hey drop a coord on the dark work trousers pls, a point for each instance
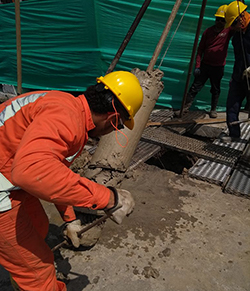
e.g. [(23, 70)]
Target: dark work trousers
[(215, 75), (236, 94)]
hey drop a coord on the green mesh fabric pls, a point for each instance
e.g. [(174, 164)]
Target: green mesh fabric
[(67, 44)]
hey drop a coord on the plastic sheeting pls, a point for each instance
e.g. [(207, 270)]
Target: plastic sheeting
[(67, 44)]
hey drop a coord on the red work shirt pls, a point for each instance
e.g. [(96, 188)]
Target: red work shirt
[(41, 134), (212, 49)]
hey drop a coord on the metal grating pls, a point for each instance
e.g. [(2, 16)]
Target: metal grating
[(164, 115), (245, 135), (210, 171), (161, 115), (218, 173), (143, 152), (189, 116), (239, 182), (91, 149), (245, 158), (164, 137)]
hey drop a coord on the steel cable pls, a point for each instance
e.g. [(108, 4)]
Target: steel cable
[(174, 35)]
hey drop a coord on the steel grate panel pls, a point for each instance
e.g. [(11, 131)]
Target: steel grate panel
[(169, 139), (189, 116), (239, 182), (164, 115), (161, 115), (210, 171), (245, 135), (245, 158), (217, 173), (91, 149), (143, 152)]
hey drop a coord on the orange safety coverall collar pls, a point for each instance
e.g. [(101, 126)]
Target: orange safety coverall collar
[(42, 133)]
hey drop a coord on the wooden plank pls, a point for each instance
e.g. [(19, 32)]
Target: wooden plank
[(180, 121)]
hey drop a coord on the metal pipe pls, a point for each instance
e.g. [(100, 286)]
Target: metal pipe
[(86, 228), (239, 121), (18, 47), (204, 2), (128, 36), (164, 35)]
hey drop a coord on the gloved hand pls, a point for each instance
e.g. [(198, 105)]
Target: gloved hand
[(70, 231), (246, 73), (197, 72), (88, 238), (124, 205)]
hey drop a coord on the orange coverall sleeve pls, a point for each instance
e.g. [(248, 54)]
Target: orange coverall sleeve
[(39, 166), (67, 212)]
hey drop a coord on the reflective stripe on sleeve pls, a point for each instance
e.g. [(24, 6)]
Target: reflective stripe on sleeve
[(17, 105)]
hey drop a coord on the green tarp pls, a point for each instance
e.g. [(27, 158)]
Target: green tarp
[(67, 44)]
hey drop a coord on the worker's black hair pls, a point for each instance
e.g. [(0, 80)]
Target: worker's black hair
[(100, 100)]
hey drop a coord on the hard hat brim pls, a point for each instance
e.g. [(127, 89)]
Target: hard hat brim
[(217, 15), (129, 123), (241, 8)]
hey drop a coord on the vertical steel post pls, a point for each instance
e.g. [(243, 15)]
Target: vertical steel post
[(18, 46), (204, 2), (164, 35), (128, 36)]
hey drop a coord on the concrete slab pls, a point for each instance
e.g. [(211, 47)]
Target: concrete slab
[(184, 235)]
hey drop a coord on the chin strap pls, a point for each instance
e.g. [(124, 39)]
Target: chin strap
[(116, 125)]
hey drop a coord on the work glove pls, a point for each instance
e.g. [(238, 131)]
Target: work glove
[(88, 238), (246, 73), (197, 72), (124, 205)]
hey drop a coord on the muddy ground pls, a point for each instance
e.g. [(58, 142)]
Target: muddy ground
[(184, 235)]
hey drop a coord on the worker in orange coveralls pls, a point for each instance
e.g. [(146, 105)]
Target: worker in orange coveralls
[(41, 134)]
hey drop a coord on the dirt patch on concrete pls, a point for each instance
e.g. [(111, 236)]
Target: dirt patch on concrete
[(159, 208)]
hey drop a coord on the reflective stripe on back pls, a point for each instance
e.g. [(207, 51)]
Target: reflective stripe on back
[(5, 187), (9, 111), (17, 105)]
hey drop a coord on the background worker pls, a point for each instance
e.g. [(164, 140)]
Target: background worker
[(238, 19), (41, 134), (210, 61)]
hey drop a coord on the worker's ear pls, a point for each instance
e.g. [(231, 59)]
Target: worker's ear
[(112, 116)]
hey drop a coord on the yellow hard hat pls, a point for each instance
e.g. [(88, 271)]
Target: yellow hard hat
[(128, 91), (234, 9), (221, 11)]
